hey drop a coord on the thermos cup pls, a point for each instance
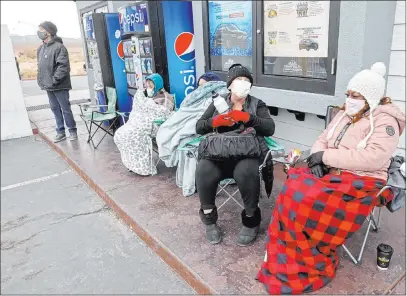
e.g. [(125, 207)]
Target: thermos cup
[(384, 253)]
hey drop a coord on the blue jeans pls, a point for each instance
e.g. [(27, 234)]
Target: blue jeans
[(61, 107)]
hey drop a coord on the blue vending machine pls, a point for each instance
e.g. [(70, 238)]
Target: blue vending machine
[(107, 58), (157, 40)]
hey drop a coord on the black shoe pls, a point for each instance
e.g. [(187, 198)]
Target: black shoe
[(212, 231), (250, 229), (213, 235), (247, 235)]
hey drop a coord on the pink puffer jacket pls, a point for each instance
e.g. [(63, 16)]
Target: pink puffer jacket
[(372, 161)]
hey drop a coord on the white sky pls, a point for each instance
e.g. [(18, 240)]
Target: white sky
[(23, 17)]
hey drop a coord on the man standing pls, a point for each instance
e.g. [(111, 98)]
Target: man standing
[(53, 76)]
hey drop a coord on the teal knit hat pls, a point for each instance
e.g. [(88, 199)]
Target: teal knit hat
[(158, 82)]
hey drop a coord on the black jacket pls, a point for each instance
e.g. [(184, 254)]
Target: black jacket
[(261, 122), (53, 66)]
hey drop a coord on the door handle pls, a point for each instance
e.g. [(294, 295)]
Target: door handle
[(333, 66)]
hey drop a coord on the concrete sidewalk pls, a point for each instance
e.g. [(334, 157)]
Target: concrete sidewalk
[(59, 237), (168, 222)]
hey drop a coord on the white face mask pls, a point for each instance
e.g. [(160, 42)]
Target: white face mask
[(240, 88), (150, 92), (353, 106)]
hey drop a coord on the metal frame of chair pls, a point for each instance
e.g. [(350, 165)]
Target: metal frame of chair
[(97, 117), (191, 149)]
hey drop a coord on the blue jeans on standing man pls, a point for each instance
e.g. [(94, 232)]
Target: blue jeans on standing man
[(61, 107)]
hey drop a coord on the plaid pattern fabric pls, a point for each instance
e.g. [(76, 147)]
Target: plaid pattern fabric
[(311, 219)]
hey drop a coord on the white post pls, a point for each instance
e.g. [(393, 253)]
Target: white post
[(14, 116)]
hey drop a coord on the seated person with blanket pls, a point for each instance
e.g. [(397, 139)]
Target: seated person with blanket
[(179, 129), (247, 114), (321, 206), (134, 138)]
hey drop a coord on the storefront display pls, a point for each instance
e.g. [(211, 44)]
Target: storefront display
[(296, 38), (230, 34)]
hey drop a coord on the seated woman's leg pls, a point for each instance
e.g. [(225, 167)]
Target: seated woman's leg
[(246, 175), (208, 175), (312, 218)]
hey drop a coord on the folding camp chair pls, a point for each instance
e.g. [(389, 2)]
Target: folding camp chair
[(372, 221), (191, 149), (97, 117)]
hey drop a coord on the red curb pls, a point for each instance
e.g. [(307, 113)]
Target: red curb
[(186, 273)]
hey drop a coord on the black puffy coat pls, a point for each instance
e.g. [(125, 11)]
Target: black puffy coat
[(53, 66)]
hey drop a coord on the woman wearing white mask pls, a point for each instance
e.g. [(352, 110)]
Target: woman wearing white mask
[(320, 207), (245, 111), (134, 138)]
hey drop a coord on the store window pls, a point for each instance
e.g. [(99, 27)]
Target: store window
[(230, 34), (286, 44), (98, 8), (296, 38)]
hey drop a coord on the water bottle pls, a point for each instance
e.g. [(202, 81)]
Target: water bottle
[(220, 104)]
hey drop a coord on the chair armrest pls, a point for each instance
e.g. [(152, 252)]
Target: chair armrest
[(125, 114), (193, 144), (158, 121), (103, 113)]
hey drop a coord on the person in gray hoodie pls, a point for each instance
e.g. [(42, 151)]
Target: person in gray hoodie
[(53, 76)]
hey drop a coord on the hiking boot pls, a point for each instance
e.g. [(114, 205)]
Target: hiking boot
[(59, 138), (73, 137), (250, 228), (213, 235)]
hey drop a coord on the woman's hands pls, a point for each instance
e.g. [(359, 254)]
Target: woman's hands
[(318, 170), (316, 164), (238, 116), (222, 120), (315, 159), (230, 118)]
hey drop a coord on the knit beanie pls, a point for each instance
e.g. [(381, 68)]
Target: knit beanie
[(237, 70), (370, 83), (158, 82), (210, 76), (50, 28)]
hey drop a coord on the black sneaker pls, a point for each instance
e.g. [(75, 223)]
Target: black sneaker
[(59, 138)]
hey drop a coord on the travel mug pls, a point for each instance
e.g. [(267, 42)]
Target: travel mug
[(384, 253)]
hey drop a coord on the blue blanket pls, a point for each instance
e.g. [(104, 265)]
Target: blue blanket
[(180, 129)]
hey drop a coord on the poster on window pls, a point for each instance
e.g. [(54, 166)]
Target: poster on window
[(296, 28), (230, 33)]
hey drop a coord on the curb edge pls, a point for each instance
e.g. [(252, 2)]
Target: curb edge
[(176, 264)]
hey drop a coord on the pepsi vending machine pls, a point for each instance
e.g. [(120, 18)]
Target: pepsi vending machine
[(143, 43), (107, 57), (157, 40)]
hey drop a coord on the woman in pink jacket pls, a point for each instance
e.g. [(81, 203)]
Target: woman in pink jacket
[(321, 206)]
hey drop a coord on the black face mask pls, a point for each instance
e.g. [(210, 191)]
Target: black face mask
[(42, 35)]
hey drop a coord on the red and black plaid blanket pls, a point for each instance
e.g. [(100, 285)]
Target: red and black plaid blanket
[(311, 219)]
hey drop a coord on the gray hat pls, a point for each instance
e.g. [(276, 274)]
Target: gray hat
[(50, 28)]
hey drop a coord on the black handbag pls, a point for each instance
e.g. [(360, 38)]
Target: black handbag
[(233, 145)]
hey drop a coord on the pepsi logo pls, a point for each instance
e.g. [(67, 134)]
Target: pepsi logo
[(120, 50), (184, 47)]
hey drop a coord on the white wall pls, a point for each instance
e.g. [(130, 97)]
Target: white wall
[(396, 82), (14, 117)]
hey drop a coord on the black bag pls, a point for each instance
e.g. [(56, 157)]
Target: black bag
[(234, 145)]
